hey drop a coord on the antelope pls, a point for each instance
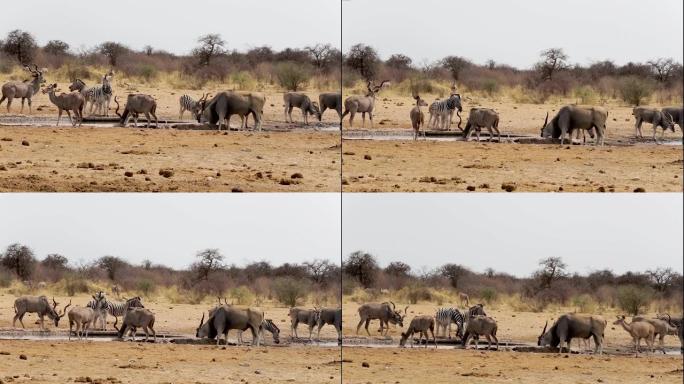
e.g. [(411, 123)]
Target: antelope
[(363, 104), (638, 330), (421, 324), (73, 101), (23, 89), (38, 305), (417, 116)]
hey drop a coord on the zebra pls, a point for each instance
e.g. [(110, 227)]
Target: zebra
[(445, 316), (99, 305), (187, 103), (116, 309), (444, 110), (99, 95), (266, 325)]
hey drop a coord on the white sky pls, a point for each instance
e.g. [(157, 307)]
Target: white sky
[(512, 232), (170, 228), (514, 32), (174, 25)]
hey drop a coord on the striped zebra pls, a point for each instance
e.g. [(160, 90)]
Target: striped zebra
[(187, 103), (266, 325), (445, 316), (443, 111), (98, 95), (116, 309)]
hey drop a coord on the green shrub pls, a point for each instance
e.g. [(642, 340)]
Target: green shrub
[(490, 86), (634, 90), (243, 80), (148, 72), (488, 295), (633, 299), (292, 76), (585, 95), (74, 284), (242, 295), (289, 291), (5, 279), (584, 303), (146, 287)]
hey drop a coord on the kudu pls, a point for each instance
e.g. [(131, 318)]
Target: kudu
[(135, 105), (299, 100), (419, 324), (638, 330), (68, 102), (40, 306), (23, 89), (330, 100), (417, 116), (362, 104), (573, 326), (382, 312)]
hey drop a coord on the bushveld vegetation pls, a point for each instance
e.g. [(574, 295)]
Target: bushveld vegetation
[(552, 77), (208, 277), (659, 289), (210, 63)]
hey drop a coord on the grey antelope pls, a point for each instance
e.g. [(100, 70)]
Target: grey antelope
[(187, 103), (23, 89), (382, 312), (362, 104), (68, 102), (477, 326), (574, 326), (419, 324), (417, 116), (40, 306), (571, 117), (303, 102), (654, 116)]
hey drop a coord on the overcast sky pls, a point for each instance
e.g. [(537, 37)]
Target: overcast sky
[(511, 233), (170, 228), (174, 25), (514, 32)]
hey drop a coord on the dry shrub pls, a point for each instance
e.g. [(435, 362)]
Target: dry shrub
[(5, 278), (415, 292), (241, 295), (290, 291), (633, 299), (488, 295), (183, 296), (584, 303), (422, 86), (585, 95)]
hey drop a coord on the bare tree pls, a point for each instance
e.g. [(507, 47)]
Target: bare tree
[(211, 45), (21, 45), (363, 59), (112, 51), (454, 273), (148, 50), (455, 65), (320, 270), (552, 269), (663, 69), (112, 265), (662, 278), (56, 47), (361, 266), (323, 55), (553, 60), (20, 259), (210, 260)]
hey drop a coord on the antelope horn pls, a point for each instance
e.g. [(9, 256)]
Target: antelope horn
[(202, 321), (65, 308), (546, 120), (406, 310), (117, 113), (393, 306), (383, 83), (54, 303), (545, 325)]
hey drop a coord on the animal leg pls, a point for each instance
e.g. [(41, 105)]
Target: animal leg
[(637, 128), (363, 119), (367, 323), (359, 326), (180, 116), (70, 119)]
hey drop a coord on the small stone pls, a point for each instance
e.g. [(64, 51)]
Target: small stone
[(365, 365), (25, 143), (367, 157), (23, 357), (128, 174), (297, 175)]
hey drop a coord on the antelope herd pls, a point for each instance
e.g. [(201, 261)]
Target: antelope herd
[(218, 110), (473, 322), (221, 318)]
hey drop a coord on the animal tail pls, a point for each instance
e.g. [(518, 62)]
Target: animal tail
[(467, 128)]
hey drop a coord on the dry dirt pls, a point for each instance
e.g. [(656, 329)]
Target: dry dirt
[(417, 365), (67, 159), (623, 165), (114, 362)]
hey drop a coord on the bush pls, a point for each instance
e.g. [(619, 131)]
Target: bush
[(633, 299), (488, 295), (490, 86), (242, 295), (292, 76), (585, 94), (584, 303), (413, 293), (146, 287), (148, 72), (74, 284), (635, 91), (243, 80), (289, 291), (5, 278)]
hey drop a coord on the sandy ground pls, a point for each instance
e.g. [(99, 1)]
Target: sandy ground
[(70, 159), (417, 365), (98, 159), (117, 362), (408, 166), (449, 366)]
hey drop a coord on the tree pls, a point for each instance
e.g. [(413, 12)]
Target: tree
[(455, 65), (148, 50), (320, 270), (19, 259), (56, 47), (553, 60), (55, 261), (662, 278), (454, 273), (211, 45), (322, 55), (363, 59), (361, 266), (635, 90), (663, 69), (210, 260), (552, 269), (258, 269), (289, 291), (399, 61), (112, 265), (398, 269), (292, 76), (260, 55), (112, 51), (633, 299), (21, 45)]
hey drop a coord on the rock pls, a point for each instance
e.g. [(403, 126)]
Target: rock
[(236, 190), (297, 175), (470, 188), (166, 172), (508, 187), (639, 190), (365, 365), (367, 157), (128, 174), (23, 357), (25, 143)]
